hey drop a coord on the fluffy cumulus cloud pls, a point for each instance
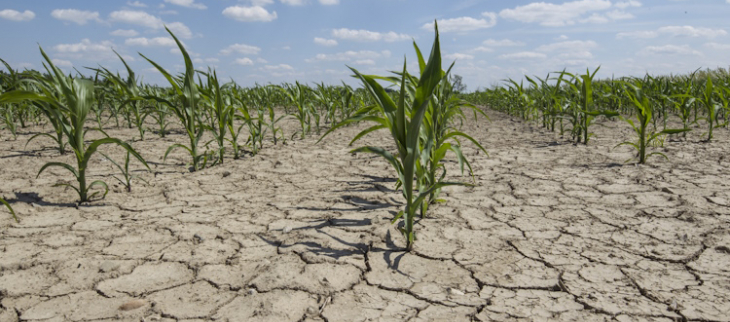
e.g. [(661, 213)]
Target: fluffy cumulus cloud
[(144, 19), (14, 15), (84, 46), (325, 42), (674, 31), (502, 43), (555, 15), (462, 24), (136, 4), (139, 18), (350, 55), (523, 55), (124, 33), (187, 4), (241, 49), (367, 35), (87, 50), (151, 42), (61, 62), (669, 50), (279, 67), (243, 61), (689, 31), (79, 17), (249, 14), (334, 2), (458, 56), (293, 2)]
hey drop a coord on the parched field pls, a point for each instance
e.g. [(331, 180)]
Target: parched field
[(301, 232)]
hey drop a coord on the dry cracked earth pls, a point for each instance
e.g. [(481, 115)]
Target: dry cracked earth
[(301, 232)]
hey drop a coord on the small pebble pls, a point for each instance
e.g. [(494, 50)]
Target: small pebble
[(252, 292), (455, 292), (287, 229), (133, 304)]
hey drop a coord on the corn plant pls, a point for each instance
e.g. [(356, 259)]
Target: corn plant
[(298, 95), (185, 91), (405, 123), (130, 93), (127, 176), (707, 99), (220, 112), (73, 99), (12, 212), (644, 112), (584, 111)]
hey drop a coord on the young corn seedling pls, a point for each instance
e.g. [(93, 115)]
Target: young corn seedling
[(12, 212), (73, 99), (708, 101), (298, 95), (127, 176), (585, 111), (186, 92), (219, 112), (644, 110), (404, 121)]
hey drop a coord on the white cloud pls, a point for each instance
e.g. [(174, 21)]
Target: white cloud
[(630, 3), (243, 61), (261, 60), (637, 34), (689, 31), (168, 12), (255, 13), (364, 62), (334, 2), (261, 3), (293, 2), (84, 46), (139, 18), (212, 60), (61, 62), (76, 16), (619, 15), (458, 56), (523, 55), (278, 67), (187, 4), (124, 33), (670, 50), (502, 43), (180, 30), (241, 49), (554, 15), (325, 42), (286, 48), (147, 42), (136, 4), (11, 14), (350, 55), (366, 35), (482, 49), (571, 45), (144, 19), (714, 45), (462, 24), (675, 31)]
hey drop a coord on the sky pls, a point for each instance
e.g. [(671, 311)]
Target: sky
[(274, 41)]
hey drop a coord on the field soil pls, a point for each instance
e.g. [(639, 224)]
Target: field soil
[(551, 231)]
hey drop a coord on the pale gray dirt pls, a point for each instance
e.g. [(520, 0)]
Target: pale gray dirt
[(301, 232)]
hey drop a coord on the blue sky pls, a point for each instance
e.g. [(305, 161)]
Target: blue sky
[(313, 40)]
